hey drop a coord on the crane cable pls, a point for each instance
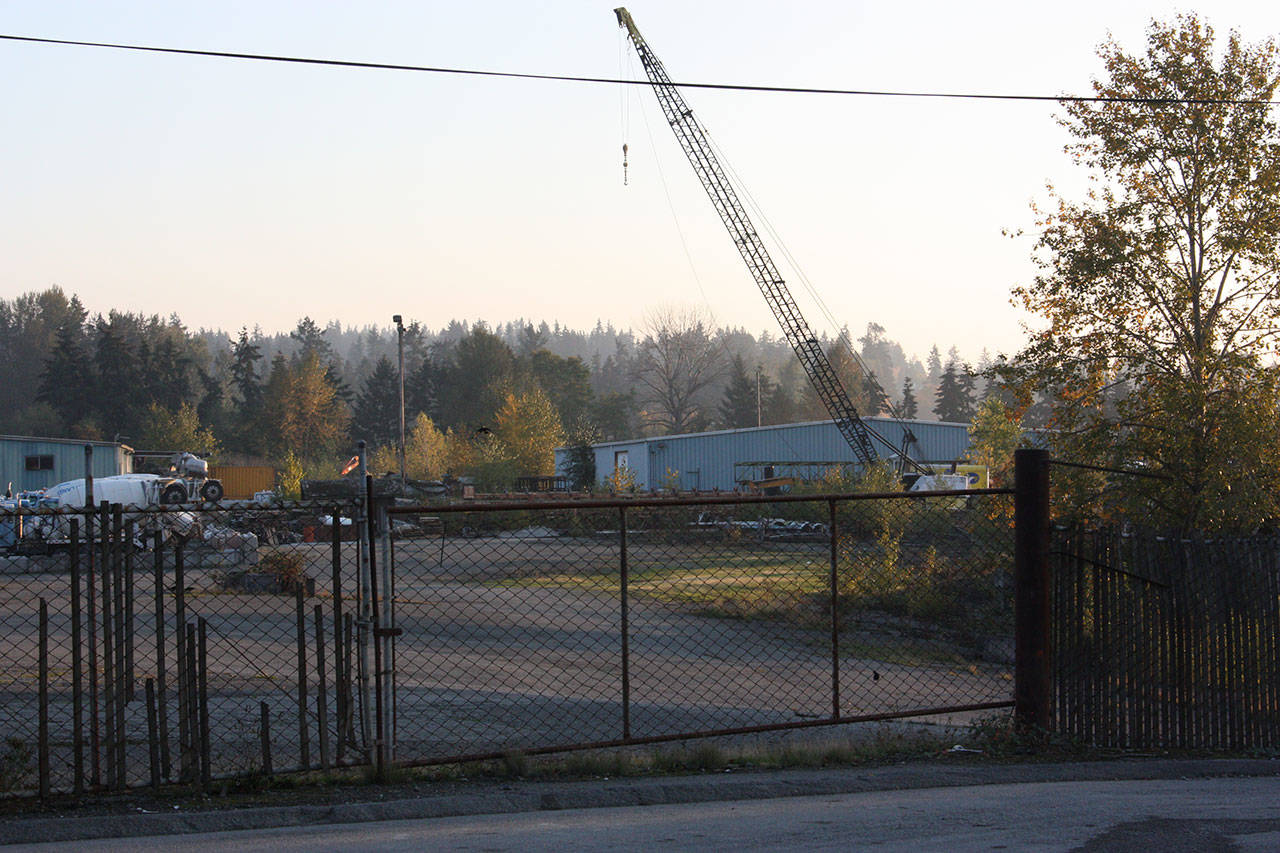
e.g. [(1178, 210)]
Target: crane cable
[(624, 102), (840, 336)]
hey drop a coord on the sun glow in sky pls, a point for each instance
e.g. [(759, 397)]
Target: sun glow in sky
[(242, 193)]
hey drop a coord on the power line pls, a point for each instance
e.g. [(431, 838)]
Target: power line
[(738, 87)]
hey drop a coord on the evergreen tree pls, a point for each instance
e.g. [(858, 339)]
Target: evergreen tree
[(245, 356), (171, 369), (955, 401), (311, 338), (580, 459), (739, 407), (935, 365), (68, 376), (565, 381), (477, 381), (115, 389), (420, 389), (967, 380), (946, 401), (376, 417), (615, 415), (910, 406), (877, 399), (302, 413)]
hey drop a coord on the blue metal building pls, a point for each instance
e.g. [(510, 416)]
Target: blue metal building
[(28, 463), (725, 458)]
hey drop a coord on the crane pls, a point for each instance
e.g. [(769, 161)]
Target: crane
[(693, 139)]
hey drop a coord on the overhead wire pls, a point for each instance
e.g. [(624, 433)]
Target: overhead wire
[(570, 78)]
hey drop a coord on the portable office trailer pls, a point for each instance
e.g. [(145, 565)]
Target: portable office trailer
[(720, 459), (28, 463)]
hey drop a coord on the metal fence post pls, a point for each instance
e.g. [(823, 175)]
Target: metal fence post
[(364, 622), (90, 541), (624, 606), (1032, 686), (386, 630), (834, 580), (77, 663), (338, 676), (379, 738)]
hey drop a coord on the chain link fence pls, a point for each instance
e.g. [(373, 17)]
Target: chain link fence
[(188, 645), (534, 628), (146, 642)]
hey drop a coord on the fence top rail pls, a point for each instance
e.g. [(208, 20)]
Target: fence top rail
[(710, 500)]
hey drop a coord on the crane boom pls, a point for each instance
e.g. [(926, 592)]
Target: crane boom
[(799, 335)]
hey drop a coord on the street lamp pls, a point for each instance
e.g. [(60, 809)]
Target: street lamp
[(400, 343)]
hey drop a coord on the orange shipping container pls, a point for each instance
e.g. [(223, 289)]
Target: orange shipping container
[(240, 482)]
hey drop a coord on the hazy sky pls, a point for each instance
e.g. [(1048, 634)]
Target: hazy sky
[(241, 193)]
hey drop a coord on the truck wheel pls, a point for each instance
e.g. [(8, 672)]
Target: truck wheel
[(174, 493), (211, 491)]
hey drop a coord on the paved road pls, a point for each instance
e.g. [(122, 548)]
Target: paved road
[(1223, 814)]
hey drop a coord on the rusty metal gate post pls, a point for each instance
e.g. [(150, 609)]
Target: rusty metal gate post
[(624, 612), (1032, 687), (386, 630), (379, 736), (834, 582), (364, 618)]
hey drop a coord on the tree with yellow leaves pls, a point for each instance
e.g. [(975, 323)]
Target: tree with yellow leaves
[(530, 430)]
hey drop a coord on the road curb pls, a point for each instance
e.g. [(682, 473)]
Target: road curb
[(530, 796)]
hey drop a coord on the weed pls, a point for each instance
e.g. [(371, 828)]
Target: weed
[(16, 763), (704, 756), (515, 763), (590, 764), (288, 567)]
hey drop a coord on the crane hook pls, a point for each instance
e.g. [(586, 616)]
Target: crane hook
[(624, 164)]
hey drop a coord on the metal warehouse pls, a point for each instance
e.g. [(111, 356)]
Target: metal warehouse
[(726, 458), (28, 463)]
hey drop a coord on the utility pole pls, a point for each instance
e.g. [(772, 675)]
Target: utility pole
[(399, 321)]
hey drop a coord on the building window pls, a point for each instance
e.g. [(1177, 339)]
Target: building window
[(620, 459), (39, 463)]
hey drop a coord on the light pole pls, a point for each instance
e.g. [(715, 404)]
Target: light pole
[(398, 320)]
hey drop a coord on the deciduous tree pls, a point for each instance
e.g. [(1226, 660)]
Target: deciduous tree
[(679, 361), (1163, 281)]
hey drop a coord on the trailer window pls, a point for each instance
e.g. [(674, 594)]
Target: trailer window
[(39, 463)]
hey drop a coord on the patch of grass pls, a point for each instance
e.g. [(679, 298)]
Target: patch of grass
[(515, 763), (700, 757), (590, 764), (888, 743), (1000, 737)]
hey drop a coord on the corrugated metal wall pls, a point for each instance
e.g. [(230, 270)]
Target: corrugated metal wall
[(240, 482), (68, 461), (707, 460)]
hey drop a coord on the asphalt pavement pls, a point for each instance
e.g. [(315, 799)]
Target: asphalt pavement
[(1214, 804)]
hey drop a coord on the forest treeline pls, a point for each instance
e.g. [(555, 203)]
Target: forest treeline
[(490, 402)]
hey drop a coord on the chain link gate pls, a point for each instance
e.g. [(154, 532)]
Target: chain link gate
[(552, 626)]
